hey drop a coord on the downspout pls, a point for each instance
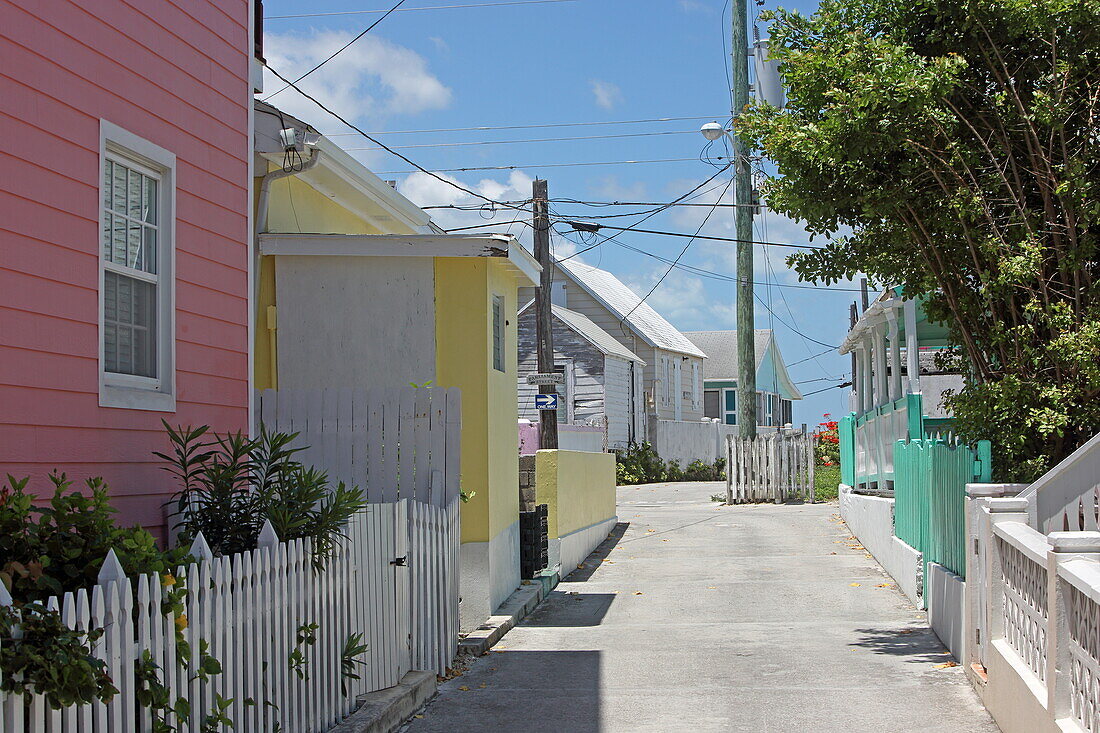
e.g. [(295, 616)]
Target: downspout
[(262, 204)]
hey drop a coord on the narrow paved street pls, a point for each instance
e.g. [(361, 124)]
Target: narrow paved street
[(700, 617)]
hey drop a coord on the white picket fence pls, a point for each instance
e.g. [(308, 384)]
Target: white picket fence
[(393, 444), (394, 581), (773, 467)]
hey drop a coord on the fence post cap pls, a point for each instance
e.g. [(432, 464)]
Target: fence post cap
[(268, 537), (200, 548), (1074, 541), (111, 570), (1008, 505)]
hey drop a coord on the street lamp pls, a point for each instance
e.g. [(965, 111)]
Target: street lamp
[(712, 131)]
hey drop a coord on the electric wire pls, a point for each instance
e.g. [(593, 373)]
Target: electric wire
[(699, 236), (678, 257), (578, 164), (407, 10), (470, 143), (376, 142), (338, 51), (543, 125)]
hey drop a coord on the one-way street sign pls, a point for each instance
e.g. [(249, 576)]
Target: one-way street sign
[(546, 402)]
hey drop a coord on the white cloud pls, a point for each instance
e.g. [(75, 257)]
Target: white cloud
[(610, 188), (371, 80), (691, 6), (607, 94), (683, 299)]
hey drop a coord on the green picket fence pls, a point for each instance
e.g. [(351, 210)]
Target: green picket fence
[(930, 478)]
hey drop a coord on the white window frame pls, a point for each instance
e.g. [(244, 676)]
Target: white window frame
[(696, 387), (130, 391), (500, 332)]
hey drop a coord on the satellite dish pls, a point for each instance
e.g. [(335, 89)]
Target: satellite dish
[(769, 85)]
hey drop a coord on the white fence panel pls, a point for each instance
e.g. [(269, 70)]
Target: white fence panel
[(389, 443), (774, 467)]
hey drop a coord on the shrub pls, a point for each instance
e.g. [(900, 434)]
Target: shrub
[(827, 442), (640, 464), (230, 485), (59, 546)]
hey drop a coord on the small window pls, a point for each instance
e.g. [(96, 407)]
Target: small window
[(137, 325), (712, 403), (498, 333)]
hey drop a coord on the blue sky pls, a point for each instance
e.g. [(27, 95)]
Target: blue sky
[(565, 62)]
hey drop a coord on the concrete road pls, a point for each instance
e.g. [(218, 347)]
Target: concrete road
[(700, 617)]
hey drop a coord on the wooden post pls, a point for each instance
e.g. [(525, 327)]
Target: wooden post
[(548, 419), (746, 321)]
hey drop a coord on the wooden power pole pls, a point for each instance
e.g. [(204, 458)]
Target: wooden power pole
[(746, 320), (548, 419)]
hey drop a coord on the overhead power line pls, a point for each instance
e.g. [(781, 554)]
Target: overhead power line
[(425, 7), (536, 165), (468, 143), (543, 125), (411, 162), (588, 227), (338, 51)]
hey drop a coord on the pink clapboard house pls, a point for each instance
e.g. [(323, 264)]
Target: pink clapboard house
[(124, 236)]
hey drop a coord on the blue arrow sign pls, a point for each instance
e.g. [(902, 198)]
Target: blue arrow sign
[(546, 402)]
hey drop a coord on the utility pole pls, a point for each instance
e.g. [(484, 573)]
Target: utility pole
[(746, 321), (544, 335)]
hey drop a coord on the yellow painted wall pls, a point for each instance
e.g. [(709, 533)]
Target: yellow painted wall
[(295, 207), (464, 288), (577, 487)]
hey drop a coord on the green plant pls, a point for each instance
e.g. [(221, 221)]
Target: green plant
[(827, 442), (349, 660), (59, 546), (699, 470), (229, 485), (639, 464), (306, 635), (40, 654), (956, 141)]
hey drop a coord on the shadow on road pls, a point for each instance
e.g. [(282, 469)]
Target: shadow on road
[(584, 572), (919, 643)]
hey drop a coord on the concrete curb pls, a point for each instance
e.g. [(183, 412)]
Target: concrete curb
[(387, 710), (512, 611)]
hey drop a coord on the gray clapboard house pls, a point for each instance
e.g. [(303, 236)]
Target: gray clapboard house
[(603, 378), (670, 384)]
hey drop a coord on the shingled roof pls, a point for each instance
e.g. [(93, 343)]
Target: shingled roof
[(721, 348)]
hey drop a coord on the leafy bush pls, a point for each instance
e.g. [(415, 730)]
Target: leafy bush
[(52, 548), (640, 464), (40, 654), (231, 484)]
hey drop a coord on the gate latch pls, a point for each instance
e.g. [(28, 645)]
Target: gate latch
[(402, 561)]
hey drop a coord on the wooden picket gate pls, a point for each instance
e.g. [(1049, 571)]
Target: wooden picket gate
[(772, 467), (393, 444)]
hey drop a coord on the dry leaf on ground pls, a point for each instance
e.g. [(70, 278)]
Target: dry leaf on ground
[(945, 665)]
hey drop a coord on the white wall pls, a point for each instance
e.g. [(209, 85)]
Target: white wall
[(871, 519), (945, 592), (334, 312), (683, 441), (617, 400)]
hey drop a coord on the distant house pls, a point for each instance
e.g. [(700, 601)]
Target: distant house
[(671, 385), (603, 378), (774, 389), (124, 293)]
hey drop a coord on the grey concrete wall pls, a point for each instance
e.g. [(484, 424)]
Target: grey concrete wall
[(871, 519), (944, 594)]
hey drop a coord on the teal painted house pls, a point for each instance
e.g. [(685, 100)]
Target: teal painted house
[(775, 392)]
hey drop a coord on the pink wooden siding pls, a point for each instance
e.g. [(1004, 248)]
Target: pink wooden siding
[(174, 72)]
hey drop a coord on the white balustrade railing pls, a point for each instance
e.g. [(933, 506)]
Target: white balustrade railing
[(1067, 497), (393, 586), (1023, 578), (1080, 581)]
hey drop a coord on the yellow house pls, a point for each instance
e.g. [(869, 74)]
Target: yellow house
[(356, 287)]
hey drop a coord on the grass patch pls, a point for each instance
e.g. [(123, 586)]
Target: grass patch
[(826, 482)]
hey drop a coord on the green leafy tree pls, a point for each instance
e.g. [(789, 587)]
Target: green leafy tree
[(956, 140)]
